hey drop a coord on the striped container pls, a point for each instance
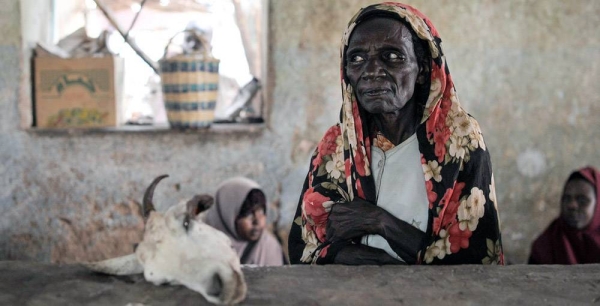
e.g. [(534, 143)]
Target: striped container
[(190, 84)]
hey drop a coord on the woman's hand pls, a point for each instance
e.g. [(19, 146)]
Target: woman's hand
[(354, 219), (359, 218)]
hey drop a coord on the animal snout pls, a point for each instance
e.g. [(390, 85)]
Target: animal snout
[(216, 286)]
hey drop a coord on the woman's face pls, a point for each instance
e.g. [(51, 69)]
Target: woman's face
[(578, 203), (381, 65), (251, 225)]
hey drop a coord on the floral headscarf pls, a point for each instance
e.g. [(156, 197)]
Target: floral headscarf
[(463, 225)]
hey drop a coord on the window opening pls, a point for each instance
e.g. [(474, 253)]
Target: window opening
[(235, 30)]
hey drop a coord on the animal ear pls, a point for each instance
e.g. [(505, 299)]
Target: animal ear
[(199, 203), (124, 265)]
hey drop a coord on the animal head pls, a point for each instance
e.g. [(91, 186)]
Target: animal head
[(179, 248)]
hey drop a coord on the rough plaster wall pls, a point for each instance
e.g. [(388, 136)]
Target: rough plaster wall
[(524, 69)]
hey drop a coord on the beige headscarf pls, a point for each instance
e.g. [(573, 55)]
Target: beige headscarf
[(229, 199)]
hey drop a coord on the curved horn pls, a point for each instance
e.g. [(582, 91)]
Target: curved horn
[(147, 205)]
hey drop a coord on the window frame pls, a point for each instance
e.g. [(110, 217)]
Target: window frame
[(35, 21)]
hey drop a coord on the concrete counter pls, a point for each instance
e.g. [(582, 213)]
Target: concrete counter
[(29, 283)]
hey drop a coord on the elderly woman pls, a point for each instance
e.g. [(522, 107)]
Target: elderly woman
[(405, 177), (240, 212), (573, 237)]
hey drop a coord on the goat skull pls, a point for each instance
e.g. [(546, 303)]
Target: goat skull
[(178, 248)]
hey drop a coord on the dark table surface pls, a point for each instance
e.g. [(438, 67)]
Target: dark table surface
[(30, 283)]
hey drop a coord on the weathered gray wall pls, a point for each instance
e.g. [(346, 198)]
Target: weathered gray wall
[(524, 69)]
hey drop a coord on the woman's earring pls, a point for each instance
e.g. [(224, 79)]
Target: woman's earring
[(421, 77)]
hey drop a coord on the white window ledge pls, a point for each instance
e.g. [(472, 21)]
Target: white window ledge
[(216, 128)]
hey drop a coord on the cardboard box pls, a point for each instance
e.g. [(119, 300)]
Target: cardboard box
[(78, 92)]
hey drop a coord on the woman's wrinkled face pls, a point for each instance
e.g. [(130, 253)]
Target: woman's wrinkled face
[(578, 203), (381, 65), (251, 225)]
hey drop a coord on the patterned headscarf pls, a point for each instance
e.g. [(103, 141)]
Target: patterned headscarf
[(463, 221), (563, 244)]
